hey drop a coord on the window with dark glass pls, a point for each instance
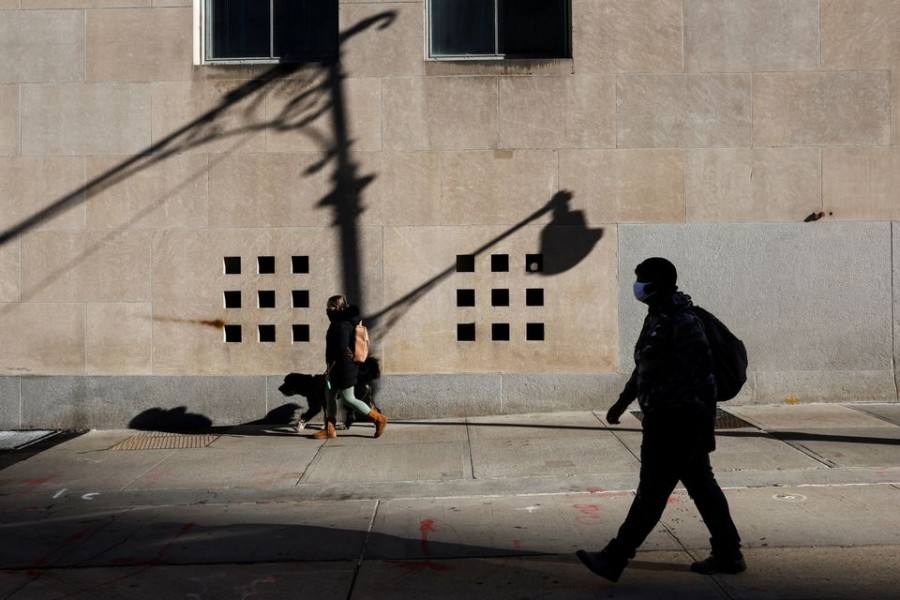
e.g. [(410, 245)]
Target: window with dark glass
[(271, 30), (499, 28)]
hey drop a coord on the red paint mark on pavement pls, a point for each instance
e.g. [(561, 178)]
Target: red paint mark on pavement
[(594, 490), (425, 527), (589, 514), (37, 481)]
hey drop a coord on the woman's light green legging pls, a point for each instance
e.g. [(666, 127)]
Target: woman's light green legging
[(348, 398)]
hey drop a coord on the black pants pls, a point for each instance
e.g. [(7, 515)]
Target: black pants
[(666, 458)]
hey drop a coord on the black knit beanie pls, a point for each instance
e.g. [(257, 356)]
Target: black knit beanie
[(660, 272)]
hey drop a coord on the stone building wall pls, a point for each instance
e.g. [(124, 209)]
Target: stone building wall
[(487, 215)]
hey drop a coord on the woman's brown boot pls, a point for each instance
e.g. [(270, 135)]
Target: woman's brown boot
[(380, 421), (326, 432)]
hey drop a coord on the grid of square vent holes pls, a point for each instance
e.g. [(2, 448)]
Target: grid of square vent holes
[(500, 297), (234, 299)]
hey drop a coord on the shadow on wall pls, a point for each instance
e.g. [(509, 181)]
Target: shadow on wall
[(564, 242), (322, 93)]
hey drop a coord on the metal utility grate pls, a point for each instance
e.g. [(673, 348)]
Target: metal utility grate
[(158, 440), (724, 420)]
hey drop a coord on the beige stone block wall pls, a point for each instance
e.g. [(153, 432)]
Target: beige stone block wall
[(86, 3), (558, 112), (139, 45), (9, 272), (85, 119), (857, 183), (9, 4), (823, 108), (199, 116), (394, 50), (406, 189), (625, 186), (860, 34), (627, 36), (188, 298), (151, 194), (31, 184), (684, 110), (9, 119), (266, 190), (42, 339), (762, 35), (895, 105), (86, 266), (440, 113), (308, 125), (41, 46), (734, 185), (495, 187), (579, 313), (118, 338)]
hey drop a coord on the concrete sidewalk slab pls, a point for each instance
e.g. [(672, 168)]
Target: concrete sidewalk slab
[(530, 426), (804, 417), (656, 575), (380, 461), (324, 581), (848, 447), (232, 461), (804, 573), (186, 534), (401, 432), (595, 453), (520, 525), (888, 412), (797, 516)]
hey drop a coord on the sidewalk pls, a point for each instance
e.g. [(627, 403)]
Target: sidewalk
[(480, 507)]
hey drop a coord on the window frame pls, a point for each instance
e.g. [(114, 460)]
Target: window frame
[(496, 56), (204, 40)]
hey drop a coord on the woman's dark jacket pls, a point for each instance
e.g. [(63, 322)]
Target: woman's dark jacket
[(673, 377), (339, 342)]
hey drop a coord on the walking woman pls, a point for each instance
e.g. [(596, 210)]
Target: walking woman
[(341, 370)]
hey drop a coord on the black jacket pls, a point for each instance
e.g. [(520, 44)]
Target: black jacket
[(339, 342), (673, 377)]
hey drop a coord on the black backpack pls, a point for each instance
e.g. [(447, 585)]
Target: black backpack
[(728, 353)]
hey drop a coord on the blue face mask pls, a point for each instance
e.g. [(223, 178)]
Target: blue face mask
[(641, 291)]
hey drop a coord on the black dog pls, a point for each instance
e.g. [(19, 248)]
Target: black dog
[(312, 387)]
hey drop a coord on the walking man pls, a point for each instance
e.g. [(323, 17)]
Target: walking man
[(674, 385)]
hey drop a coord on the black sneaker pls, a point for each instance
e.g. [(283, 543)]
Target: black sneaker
[(714, 565), (601, 564)]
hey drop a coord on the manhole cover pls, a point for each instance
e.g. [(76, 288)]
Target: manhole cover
[(158, 440), (724, 420)]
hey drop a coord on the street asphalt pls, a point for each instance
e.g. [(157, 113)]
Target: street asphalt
[(484, 507)]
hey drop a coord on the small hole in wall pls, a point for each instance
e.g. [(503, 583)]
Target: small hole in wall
[(465, 297), (266, 264), (534, 297), (232, 265), (500, 297), (299, 264), (500, 332), (266, 333), (499, 263), (534, 332), (300, 333), (266, 298), (465, 263), (465, 332), (233, 299), (300, 298), (233, 334), (534, 263)]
